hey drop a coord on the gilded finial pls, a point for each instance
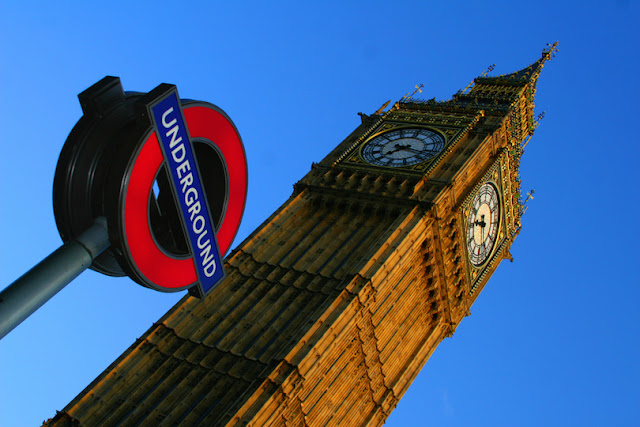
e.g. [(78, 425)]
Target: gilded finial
[(550, 51), (396, 105), (529, 197), (536, 123), (538, 120), (381, 109), (409, 96), (488, 70)]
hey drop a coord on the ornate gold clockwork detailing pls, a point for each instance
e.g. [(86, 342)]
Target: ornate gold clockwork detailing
[(482, 224), (402, 147)]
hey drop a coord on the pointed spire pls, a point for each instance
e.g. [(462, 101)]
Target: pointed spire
[(526, 75), (511, 94)]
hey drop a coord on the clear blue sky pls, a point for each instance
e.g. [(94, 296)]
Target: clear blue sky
[(553, 338)]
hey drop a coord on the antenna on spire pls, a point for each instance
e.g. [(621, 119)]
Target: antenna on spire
[(488, 70)]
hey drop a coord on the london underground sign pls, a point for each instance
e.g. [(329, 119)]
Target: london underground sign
[(171, 134), (174, 183), (168, 145), (170, 177), (147, 185)]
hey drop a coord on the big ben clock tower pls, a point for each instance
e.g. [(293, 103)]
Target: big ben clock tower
[(332, 306)]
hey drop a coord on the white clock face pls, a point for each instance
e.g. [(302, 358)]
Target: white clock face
[(482, 224), (403, 147)]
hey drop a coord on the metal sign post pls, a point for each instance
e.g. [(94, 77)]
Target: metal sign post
[(37, 286)]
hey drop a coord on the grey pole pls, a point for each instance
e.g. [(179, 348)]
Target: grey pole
[(28, 293)]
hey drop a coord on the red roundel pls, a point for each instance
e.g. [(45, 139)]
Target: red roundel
[(155, 267)]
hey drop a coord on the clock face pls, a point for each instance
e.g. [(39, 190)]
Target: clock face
[(403, 147), (482, 224)]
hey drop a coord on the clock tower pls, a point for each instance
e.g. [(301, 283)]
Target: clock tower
[(332, 306)]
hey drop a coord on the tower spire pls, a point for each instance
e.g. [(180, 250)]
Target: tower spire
[(524, 76)]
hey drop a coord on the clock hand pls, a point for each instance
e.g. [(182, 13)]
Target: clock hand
[(391, 151), (481, 224), (409, 148), (397, 147)]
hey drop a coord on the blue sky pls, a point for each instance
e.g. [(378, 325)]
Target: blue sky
[(552, 339)]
